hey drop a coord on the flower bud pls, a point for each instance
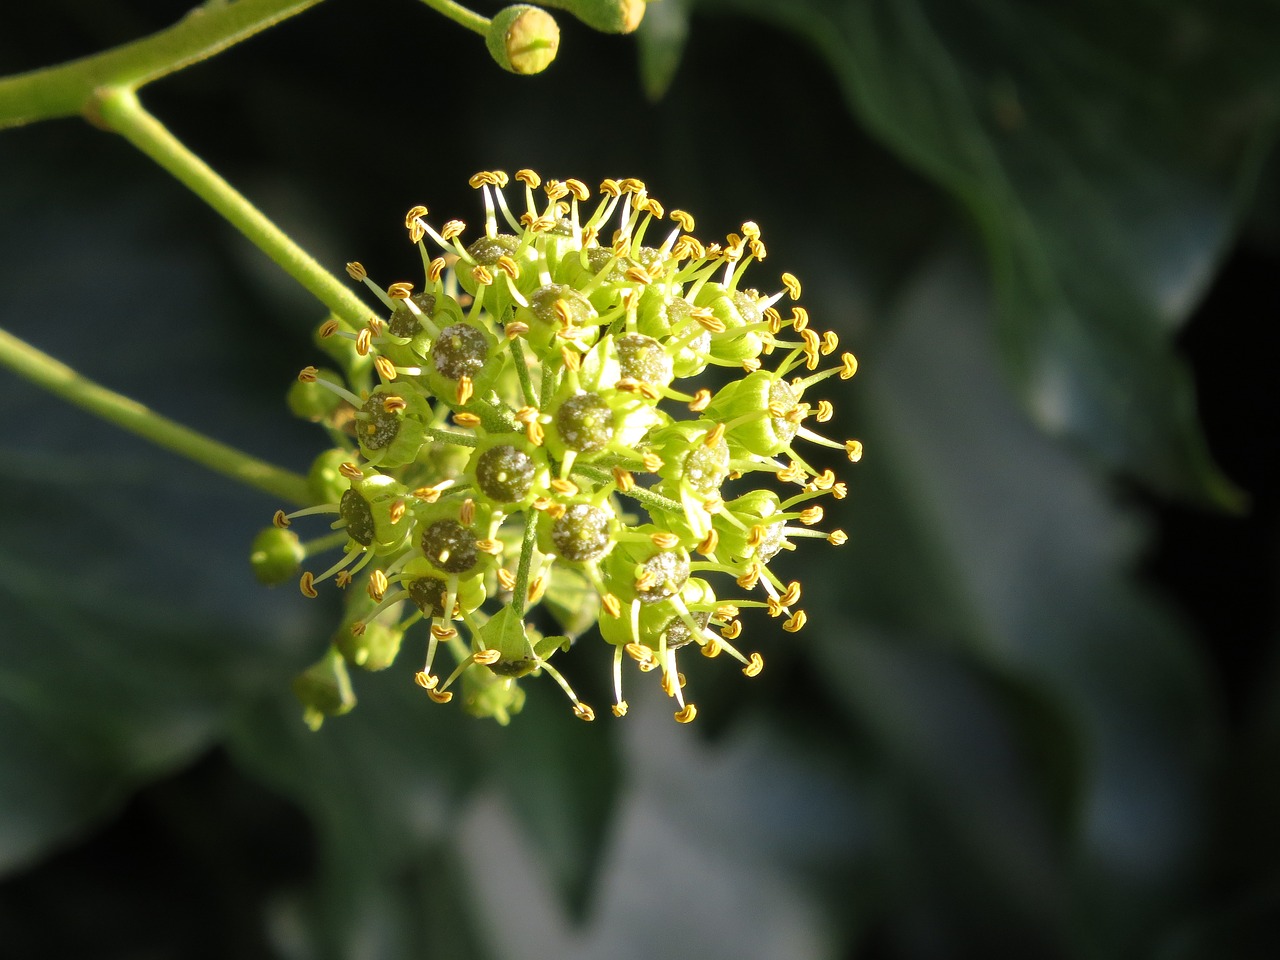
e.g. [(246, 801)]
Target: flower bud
[(276, 556), (523, 39), (324, 689), (607, 16)]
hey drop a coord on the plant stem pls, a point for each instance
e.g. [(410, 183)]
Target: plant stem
[(65, 90), (460, 15), (60, 380), (118, 109), (520, 595)]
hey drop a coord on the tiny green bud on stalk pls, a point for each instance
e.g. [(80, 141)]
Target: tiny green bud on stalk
[(523, 39)]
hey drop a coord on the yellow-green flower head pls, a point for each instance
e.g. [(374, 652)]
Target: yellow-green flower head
[(524, 439)]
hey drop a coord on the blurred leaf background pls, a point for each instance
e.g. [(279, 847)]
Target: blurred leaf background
[(1036, 710)]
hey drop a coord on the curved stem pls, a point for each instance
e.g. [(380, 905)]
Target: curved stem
[(460, 15), (60, 380), (64, 90), (118, 109)]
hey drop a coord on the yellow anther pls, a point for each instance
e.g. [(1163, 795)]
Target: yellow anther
[(611, 605), (491, 547), (426, 680), (356, 270), (848, 365), (620, 708), (415, 212), (306, 583), (749, 579), (713, 504), (465, 389), (482, 275), (396, 512), (652, 462), (795, 622), (443, 633), (811, 515), (563, 486), (840, 490), (308, 374), (440, 696), (711, 648), (343, 579), (467, 512), (624, 479), (487, 657), (610, 187), (280, 519), (639, 653), (515, 329), (358, 627), (377, 587), (509, 267), (364, 342), (825, 411), (506, 578), (837, 537), (757, 249), (328, 329), (751, 364), (701, 400), (792, 284), (854, 449), (774, 319), (714, 435), (646, 581), (664, 540), (829, 342), (753, 668), (583, 712), (638, 274), (775, 607), (436, 269), (799, 318), (572, 359), (416, 231), (452, 229), (687, 714), (579, 189), (350, 470), (427, 494), (393, 404), (709, 544), (538, 586), (683, 219), (707, 319), (555, 189), (467, 420), (529, 177), (731, 630), (400, 290), (386, 369), (534, 432)]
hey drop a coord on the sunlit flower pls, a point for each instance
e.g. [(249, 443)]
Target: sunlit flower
[(527, 430)]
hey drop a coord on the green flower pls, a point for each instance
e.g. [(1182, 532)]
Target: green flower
[(528, 426)]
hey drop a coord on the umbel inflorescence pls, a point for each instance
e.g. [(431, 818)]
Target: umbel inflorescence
[(528, 429)]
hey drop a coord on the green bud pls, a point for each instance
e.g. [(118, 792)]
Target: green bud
[(392, 425), (523, 39), (607, 16), (509, 470), (325, 480), (311, 401), (324, 689), (276, 556)]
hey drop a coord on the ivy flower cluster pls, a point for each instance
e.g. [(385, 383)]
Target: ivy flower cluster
[(528, 430)]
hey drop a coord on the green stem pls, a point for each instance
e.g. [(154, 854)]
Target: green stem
[(66, 89), (520, 595), (60, 380), (118, 109), (460, 15), (654, 501)]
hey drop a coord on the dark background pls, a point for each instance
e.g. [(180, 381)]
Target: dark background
[(1035, 710)]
